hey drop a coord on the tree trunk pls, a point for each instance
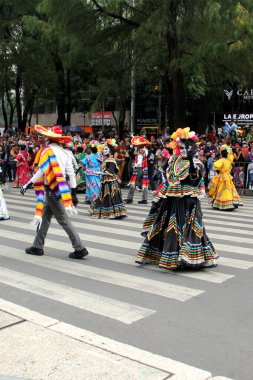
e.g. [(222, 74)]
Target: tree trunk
[(18, 85), (122, 116), (177, 107), (31, 113), (164, 104), (27, 110), (178, 110), (61, 91), (12, 107), (69, 98), (4, 115)]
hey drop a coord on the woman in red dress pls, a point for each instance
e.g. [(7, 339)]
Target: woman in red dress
[(23, 170)]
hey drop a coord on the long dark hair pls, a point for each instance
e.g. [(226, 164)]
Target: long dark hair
[(224, 153), (93, 149)]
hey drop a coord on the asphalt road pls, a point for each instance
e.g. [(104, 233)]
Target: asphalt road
[(200, 318)]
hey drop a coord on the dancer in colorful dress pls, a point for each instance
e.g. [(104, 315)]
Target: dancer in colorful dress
[(92, 163), (222, 192), (177, 237), (109, 203), (23, 169), (54, 196), (140, 172)]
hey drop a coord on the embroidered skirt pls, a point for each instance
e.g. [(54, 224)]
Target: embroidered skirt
[(109, 203), (177, 236)]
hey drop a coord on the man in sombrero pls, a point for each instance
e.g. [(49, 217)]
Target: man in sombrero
[(140, 172), (54, 196)]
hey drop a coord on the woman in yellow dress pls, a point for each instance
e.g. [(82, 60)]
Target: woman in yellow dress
[(222, 191)]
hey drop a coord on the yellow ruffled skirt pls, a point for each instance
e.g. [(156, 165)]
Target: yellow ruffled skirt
[(222, 192)]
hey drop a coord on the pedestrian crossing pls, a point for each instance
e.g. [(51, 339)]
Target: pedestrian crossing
[(108, 286), (124, 235)]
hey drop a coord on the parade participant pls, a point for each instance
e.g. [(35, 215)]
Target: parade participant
[(68, 147), (222, 192), (210, 162), (109, 203), (120, 157), (177, 237), (53, 194), (250, 175), (92, 162), (140, 170), (23, 170), (4, 215), (80, 174)]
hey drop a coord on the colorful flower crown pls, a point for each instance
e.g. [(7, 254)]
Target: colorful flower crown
[(94, 143), (112, 142), (225, 147), (179, 135)]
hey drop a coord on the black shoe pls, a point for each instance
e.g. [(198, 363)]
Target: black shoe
[(87, 202), (128, 200), (34, 251), (79, 254), (143, 202)]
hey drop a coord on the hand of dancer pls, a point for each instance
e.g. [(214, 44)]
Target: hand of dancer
[(25, 187)]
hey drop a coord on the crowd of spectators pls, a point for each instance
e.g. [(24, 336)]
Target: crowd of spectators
[(12, 146)]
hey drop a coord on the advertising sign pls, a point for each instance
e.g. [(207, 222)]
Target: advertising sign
[(238, 117), (97, 118)]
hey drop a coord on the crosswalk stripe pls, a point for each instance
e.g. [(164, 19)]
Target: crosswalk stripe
[(235, 249), (248, 201), (210, 227), (84, 236), (133, 245), (111, 229), (121, 311), (140, 214), (159, 288), (212, 276), (235, 263), (139, 221), (204, 275)]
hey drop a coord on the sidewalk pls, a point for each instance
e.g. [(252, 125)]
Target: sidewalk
[(36, 347)]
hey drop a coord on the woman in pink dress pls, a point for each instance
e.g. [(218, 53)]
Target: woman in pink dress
[(23, 170)]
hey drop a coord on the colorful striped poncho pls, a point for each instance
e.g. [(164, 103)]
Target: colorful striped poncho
[(46, 161), (145, 181)]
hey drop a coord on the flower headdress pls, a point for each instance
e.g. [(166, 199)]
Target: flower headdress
[(113, 143), (179, 135), (94, 143), (226, 147)]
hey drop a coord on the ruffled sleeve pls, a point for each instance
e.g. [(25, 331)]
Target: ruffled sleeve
[(218, 165)]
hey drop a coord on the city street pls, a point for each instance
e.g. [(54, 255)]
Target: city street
[(199, 318)]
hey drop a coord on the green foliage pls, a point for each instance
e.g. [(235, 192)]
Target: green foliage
[(60, 49)]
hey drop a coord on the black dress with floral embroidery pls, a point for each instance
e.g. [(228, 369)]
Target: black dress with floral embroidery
[(176, 235), (109, 203)]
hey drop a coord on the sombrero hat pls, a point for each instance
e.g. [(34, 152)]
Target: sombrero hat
[(53, 133), (139, 140)]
